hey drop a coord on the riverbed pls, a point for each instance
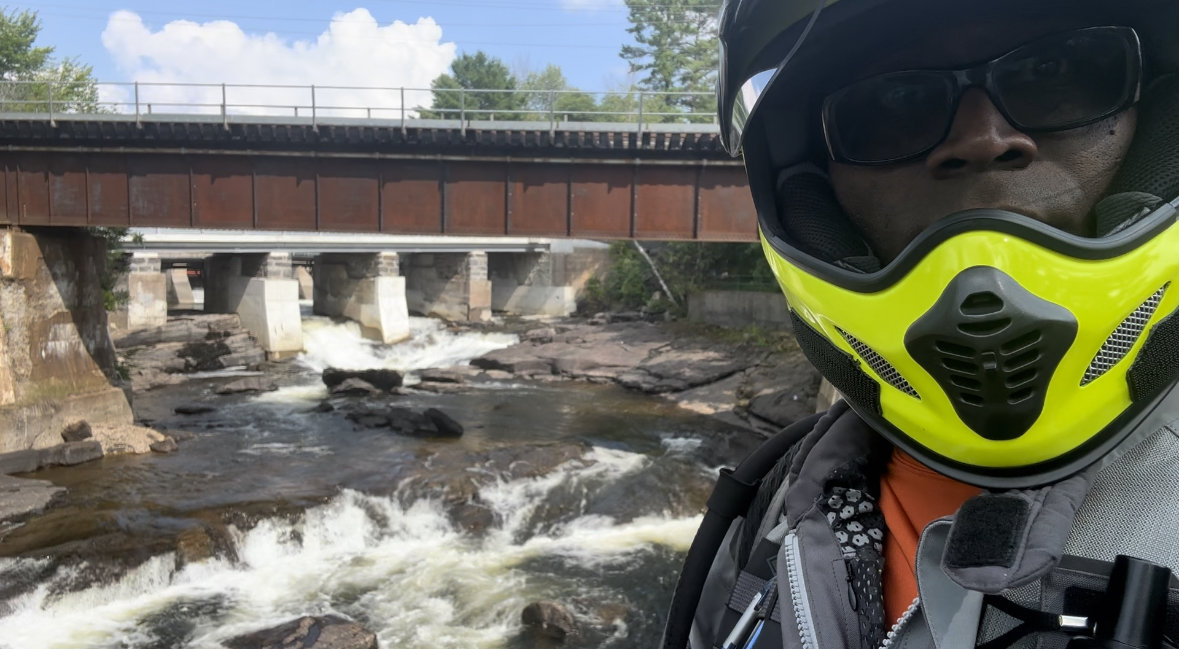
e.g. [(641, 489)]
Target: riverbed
[(585, 495)]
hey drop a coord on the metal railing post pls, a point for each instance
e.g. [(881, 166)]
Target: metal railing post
[(403, 111), (314, 113), (641, 111), (224, 114), (137, 123), (463, 111), (49, 86), (552, 114)]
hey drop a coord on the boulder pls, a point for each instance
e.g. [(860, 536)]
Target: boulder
[(70, 453), (143, 380), (327, 632), (354, 388), (324, 406), (166, 445), (193, 409), (235, 350), (77, 431), (539, 336), (180, 330), (369, 417), (407, 422), (548, 619), (447, 427), (122, 438), (440, 375), (382, 379), (19, 496), (250, 384)]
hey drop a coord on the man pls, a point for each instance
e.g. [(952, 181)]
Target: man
[(968, 205)]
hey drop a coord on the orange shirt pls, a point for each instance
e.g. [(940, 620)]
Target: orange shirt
[(911, 496)]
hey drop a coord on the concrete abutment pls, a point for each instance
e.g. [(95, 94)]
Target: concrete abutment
[(365, 287), (57, 362), (261, 290), (453, 286)]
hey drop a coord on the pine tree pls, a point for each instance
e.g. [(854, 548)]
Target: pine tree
[(677, 50)]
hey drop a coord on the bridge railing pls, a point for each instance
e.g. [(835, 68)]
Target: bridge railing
[(149, 100)]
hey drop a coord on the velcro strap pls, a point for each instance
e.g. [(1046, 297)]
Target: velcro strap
[(730, 497)]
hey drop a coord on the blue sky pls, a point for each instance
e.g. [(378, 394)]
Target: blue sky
[(283, 41)]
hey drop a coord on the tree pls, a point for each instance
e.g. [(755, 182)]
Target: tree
[(678, 50), (568, 103), (29, 75), (479, 87)]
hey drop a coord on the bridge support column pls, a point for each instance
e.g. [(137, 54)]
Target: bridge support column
[(453, 286), (179, 288), (529, 284), (57, 362), (261, 289), (146, 291), (366, 288)]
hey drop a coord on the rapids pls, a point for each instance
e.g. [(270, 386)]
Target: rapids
[(321, 518)]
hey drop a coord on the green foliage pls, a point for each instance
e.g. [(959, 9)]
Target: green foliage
[(30, 77), (676, 49), (686, 266), (117, 263), (472, 73), (550, 85)]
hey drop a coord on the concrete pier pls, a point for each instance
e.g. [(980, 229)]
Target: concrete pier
[(180, 294), (261, 289), (364, 287), (146, 291), (454, 286), (57, 362)]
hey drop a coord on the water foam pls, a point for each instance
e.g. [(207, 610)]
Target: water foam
[(406, 571), (339, 344)]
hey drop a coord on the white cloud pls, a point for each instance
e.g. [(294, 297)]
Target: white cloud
[(354, 51)]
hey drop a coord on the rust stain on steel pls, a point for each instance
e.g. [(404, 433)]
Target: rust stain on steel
[(222, 193), (475, 199), (600, 202), (726, 207), (666, 203), (67, 190), (411, 200), (285, 195), (539, 200), (107, 187), (33, 190), (348, 195), (158, 191), (5, 208)]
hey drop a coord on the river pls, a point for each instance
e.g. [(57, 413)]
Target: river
[(299, 513)]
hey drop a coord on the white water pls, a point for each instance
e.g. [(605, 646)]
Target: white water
[(415, 579)]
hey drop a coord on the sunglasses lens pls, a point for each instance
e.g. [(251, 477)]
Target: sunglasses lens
[(891, 116), (1066, 81)]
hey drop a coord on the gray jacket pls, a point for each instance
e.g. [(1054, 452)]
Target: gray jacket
[(821, 541)]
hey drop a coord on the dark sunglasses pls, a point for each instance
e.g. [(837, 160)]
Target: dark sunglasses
[(1054, 84)]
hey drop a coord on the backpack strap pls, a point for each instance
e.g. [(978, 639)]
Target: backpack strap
[(731, 497)]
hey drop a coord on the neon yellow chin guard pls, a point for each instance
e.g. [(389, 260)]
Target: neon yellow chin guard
[(998, 350)]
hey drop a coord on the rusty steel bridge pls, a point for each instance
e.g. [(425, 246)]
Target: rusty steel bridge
[(323, 168)]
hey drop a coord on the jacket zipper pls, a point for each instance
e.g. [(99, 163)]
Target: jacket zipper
[(798, 595), (895, 631)]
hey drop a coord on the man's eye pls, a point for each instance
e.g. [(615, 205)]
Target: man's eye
[(900, 98), (1044, 68)]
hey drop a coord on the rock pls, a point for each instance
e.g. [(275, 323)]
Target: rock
[(354, 388), (180, 330), (167, 445), (20, 496), (439, 375), (121, 438), (77, 431), (324, 406), (328, 632), (369, 417), (539, 336), (250, 384), (194, 546), (497, 375), (381, 379), (407, 422), (71, 453), (447, 427), (440, 388), (681, 369), (235, 350), (193, 409), (623, 316), (517, 360), (548, 619), (144, 380)]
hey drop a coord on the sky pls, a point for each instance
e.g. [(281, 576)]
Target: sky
[(371, 43)]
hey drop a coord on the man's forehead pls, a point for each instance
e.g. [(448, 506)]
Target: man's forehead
[(963, 44)]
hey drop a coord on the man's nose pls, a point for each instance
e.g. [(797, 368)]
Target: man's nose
[(980, 140)]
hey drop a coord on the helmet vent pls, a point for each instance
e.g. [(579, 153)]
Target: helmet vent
[(1115, 348), (982, 303), (883, 368)]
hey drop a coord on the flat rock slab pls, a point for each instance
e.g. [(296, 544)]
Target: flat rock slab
[(328, 632), (251, 384), (20, 496)]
